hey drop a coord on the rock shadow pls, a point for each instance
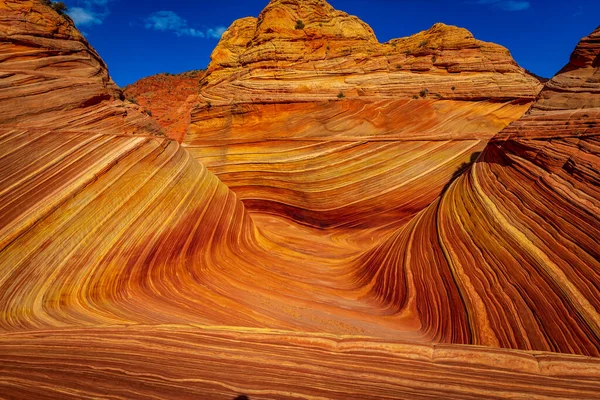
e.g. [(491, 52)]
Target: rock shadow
[(462, 168)]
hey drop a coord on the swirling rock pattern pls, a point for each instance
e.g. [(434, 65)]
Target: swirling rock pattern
[(514, 242), (342, 258), (367, 162), (306, 94)]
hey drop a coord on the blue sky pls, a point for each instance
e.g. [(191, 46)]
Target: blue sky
[(141, 38)]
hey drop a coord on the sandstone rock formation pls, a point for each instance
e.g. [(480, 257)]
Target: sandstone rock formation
[(144, 362), (514, 242), (169, 99), (304, 50), (57, 79), (128, 269), (306, 94)]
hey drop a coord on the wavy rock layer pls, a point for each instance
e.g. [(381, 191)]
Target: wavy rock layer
[(100, 226), (119, 251), (303, 113), (345, 163), (514, 242), (98, 212), (173, 362)]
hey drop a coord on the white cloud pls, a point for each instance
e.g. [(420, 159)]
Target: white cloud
[(507, 5), (89, 12), (169, 21), (83, 17), (216, 33)]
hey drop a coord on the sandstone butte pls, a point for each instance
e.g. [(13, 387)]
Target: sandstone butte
[(297, 244)]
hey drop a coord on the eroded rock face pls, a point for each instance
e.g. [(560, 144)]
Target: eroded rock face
[(310, 85), (57, 79), (86, 181), (577, 85), (169, 99), (369, 165), (307, 51), (345, 163), (305, 71)]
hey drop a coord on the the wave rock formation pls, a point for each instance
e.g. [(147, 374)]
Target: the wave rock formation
[(343, 218)]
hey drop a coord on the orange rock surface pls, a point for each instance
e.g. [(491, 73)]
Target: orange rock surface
[(317, 121), (516, 238), (57, 79), (169, 98), (304, 50), (324, 249), (175, 361)]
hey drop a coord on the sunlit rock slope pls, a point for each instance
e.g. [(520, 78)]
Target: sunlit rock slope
[(51, 77)]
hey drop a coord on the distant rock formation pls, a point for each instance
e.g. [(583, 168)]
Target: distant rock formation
[(308, 52), (305, 50), (169, 98)]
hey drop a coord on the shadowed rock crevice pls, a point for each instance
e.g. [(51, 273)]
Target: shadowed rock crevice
[(462, 168)]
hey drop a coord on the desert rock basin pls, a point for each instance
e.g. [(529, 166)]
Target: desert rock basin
[(316, 215)]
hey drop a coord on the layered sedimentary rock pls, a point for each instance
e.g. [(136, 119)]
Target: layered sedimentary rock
[(513, 242), (141, 362), (120, 252), (307, 51), (104, 226), (82, 173), (303, 113), (57, 79), (168, 98)]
